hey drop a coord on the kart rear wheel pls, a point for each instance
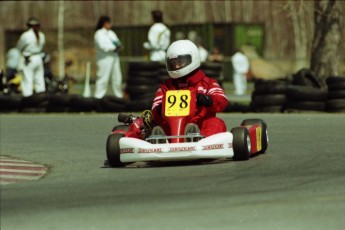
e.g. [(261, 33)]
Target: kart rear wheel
[(241, 143), (113, 150), (264, 132)]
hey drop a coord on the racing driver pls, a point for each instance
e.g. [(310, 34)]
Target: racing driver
[(183, 66)]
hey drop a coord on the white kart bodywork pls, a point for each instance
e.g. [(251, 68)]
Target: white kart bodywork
[(212, 147)]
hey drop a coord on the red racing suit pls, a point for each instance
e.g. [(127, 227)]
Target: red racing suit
[(205, 117)]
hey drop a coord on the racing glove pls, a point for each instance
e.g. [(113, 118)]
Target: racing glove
[(203, 100)]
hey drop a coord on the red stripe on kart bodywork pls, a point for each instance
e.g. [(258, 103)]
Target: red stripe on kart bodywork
[(253, 138)]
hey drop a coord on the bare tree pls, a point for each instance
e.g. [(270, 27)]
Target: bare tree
[(326, 41), (299, 17)]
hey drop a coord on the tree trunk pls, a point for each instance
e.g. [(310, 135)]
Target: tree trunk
[(61, 40), (326, 41)]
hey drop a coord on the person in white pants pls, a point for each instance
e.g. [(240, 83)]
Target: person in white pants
[(30, 45), (158, 38), (108, 62), (240, 65)]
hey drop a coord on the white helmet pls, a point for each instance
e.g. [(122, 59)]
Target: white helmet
[(182, 58)]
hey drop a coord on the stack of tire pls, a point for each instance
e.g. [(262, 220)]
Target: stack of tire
[(213, 70), (336, 94), (36, 103), (111, 103), (269, 96), (60, 103), (10, 103), (83, 104), (162, 73), (305, 93), (142, 83)]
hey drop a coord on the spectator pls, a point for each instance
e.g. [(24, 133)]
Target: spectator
[(108, 46), (179, 35), (12, 62), (203, 52), (30, 45), (216, 55), (240, 64), (193, 36), (158, 37)]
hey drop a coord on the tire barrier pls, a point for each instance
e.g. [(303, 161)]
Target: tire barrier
[(269, 96), (10, 103), (143, 79), (112, 104), (305, 94), (305, 99), (213, 70), (306, 77), (84, 104), (300, 94), (36, 103), (336, 94)]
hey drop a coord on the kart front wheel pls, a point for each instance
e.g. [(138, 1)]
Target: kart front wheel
[(264, 132), (120, 127), (241, 143), (113, 150)]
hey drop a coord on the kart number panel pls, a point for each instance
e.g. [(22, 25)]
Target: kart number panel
[(177, 103)]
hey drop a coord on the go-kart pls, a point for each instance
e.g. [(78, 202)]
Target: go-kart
[(138, 141)]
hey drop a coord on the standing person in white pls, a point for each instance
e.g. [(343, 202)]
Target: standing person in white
[(108, 62), (240, 65), (30, 45), (158, 38)]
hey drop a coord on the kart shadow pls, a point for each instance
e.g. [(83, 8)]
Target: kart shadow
[(165, 164)]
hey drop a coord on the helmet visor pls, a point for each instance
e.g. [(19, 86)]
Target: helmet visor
[(179, 62)]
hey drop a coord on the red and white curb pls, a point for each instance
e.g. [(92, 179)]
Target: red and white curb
[(15, 170)]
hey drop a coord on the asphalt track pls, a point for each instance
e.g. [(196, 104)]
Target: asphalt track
[(298, 184)]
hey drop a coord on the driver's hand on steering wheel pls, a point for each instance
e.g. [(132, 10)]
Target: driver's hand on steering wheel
[(203, 100)]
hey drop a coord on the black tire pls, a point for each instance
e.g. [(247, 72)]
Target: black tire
[(162, 77), (291, 110), (335, 79), (120, 127), (144, 96), (112, 104), (140, 89), (82, 104), (306, 77), (269, 100), (141, 81), (142, 74), (139, 105), (305, 93), (213, 74), (264, 133), (336, 105), (269, 109), (306, 105), (34, 100), (10, 103), (240, 144), (211, 66), (60, 99), (237, 107), (113, 150), (338, 94), (143, 65), (270, 87), (336, 86)]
